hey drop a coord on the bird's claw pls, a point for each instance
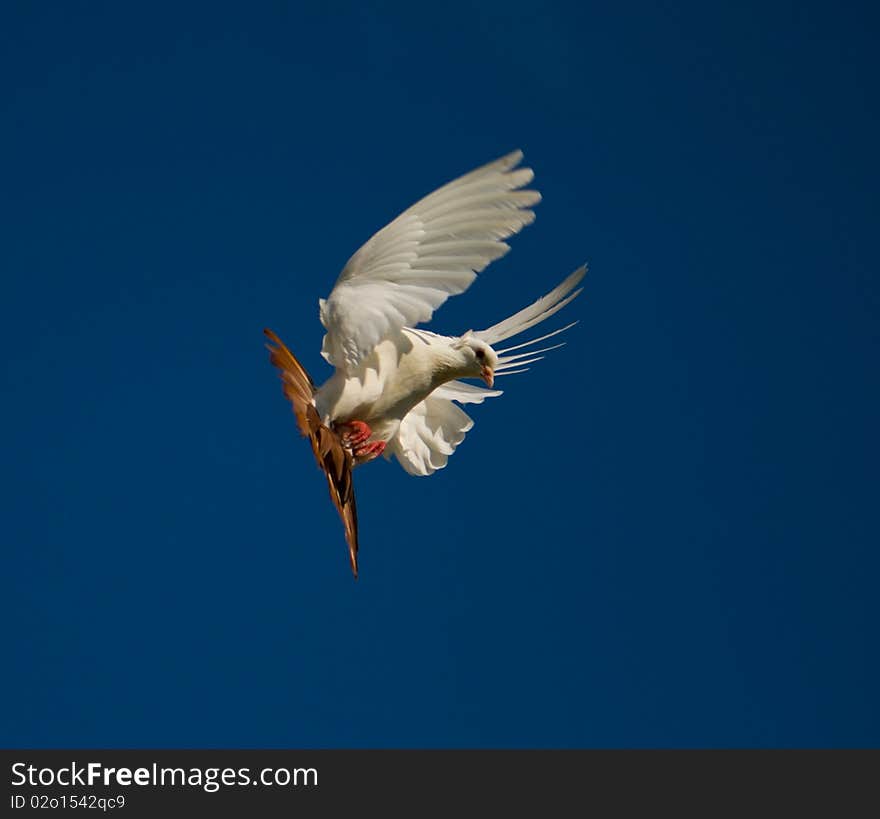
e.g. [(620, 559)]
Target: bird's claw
[(353, 433), (355, 436), (368, 451)]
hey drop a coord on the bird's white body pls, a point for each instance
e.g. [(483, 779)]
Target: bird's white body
[(398, 374)]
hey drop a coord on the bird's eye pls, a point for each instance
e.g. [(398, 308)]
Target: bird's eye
[(480, 355)]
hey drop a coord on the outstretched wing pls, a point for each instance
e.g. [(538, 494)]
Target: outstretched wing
[(431, 430), (332, 457), (433, 250), (526, 318)]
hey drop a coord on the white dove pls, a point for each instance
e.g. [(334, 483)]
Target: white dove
[(396, 389)]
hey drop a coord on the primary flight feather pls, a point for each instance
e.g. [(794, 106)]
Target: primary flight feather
[(396, 389)]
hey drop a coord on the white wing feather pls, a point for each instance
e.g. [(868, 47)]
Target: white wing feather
[(430, 431), (535, 313), (433, 250)]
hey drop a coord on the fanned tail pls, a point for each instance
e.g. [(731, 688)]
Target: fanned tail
[(332, 457)]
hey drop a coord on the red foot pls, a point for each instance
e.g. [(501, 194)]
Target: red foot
[(368, 451), (353, 433)]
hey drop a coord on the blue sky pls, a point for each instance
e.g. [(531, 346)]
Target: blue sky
[(664, 535)]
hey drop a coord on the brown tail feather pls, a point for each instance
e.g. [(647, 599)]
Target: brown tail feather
[(332, 457)]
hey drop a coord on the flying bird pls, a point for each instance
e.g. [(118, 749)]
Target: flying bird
[(396, 388)]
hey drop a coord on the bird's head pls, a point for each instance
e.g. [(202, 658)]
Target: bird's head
[(480, 359)]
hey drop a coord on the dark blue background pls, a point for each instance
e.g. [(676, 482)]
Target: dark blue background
[(666, 534)]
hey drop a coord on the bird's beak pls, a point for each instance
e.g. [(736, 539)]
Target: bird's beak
[(488, 376)]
